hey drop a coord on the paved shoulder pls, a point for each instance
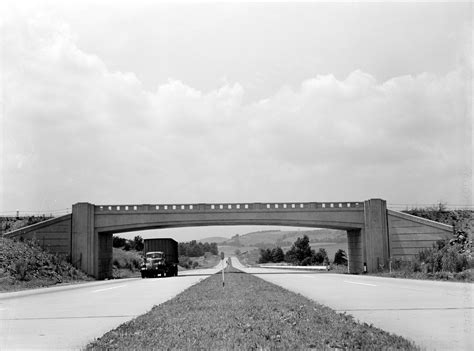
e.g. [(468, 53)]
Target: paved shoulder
[(437, 315), (69, 317)]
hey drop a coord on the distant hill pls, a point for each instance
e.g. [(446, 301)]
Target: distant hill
[(270, 238), (213, 239)]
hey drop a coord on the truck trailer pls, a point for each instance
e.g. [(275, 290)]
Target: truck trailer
[(160, 258)]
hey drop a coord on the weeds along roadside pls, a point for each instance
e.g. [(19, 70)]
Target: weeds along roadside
[(248, 313), (25, 265)]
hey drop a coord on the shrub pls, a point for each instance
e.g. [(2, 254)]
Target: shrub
[(453, 261), (184, 261), (21, 269)]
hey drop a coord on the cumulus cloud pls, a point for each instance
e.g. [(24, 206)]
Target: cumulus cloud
[(77, 131)]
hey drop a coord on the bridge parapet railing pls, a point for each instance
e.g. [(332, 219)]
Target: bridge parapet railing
[(255, 206)]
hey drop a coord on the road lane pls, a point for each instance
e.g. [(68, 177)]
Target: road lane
[(437, 315), (70, 317)]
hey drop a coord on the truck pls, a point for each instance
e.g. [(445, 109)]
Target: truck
[(160, 258)]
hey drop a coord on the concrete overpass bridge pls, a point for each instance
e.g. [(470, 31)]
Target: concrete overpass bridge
[(374, 233)]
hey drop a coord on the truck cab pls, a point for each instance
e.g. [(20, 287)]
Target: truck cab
[(161, 258)]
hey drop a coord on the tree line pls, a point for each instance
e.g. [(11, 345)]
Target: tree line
[(196, 249), (301, 254)]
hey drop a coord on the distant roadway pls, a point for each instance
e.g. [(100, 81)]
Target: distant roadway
[(435, 315), (69, 317)]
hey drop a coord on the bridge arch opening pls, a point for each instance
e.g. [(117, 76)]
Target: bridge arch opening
[(244, 238)]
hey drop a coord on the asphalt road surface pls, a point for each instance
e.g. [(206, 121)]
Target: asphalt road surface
[(435, 315), (70, 317)]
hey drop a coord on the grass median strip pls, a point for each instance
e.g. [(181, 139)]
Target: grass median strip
[(249, 313)]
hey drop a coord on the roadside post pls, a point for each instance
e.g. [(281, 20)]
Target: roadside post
[(223, 267)]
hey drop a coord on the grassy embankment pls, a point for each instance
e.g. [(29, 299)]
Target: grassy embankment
[(249, 313), (446, 260), (126, 264), (24, 265)]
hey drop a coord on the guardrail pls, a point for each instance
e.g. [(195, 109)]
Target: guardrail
[(303, 268)]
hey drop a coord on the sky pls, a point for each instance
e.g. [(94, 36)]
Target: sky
[(145, 102)]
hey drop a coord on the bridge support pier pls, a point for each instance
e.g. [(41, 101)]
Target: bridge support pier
[(91, 251), (83, 239), (375, 236), (355, 251), (368, 247)]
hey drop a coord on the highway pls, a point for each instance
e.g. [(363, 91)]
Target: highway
[(69, 317), (435, 315)]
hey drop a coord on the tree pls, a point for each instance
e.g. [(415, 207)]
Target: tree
[(278, 255), (214, 249), (137, 243), (118, 241), (265, 256), (321, 256), (300, 251), (340, 257)]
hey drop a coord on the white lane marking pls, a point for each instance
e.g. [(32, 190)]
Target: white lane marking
[(114, 287), (347, 281)]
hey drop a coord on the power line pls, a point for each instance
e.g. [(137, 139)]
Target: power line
[(35, 212)]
